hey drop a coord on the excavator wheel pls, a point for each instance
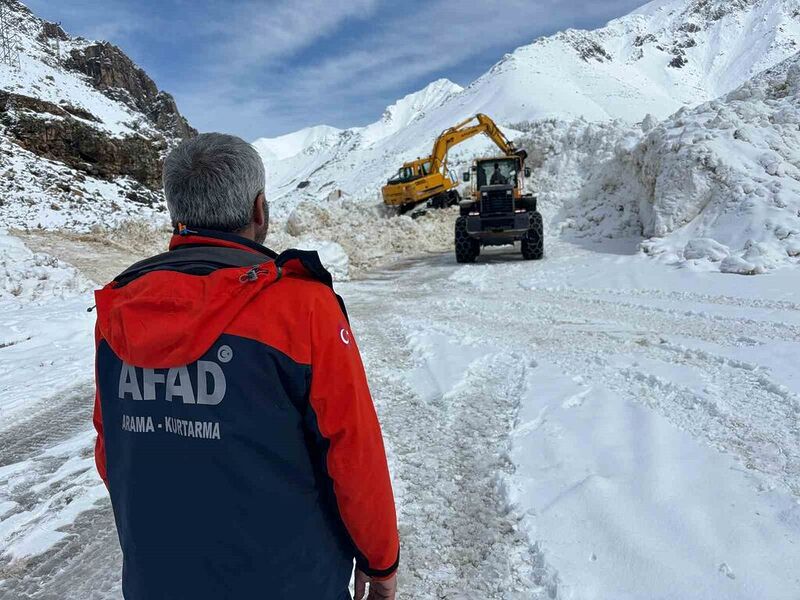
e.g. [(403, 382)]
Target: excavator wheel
[(467, 248), (533, 240)]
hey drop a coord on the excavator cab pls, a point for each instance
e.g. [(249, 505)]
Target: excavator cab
[(404, 175)]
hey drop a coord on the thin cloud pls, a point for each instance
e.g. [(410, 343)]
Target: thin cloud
[(118, 21), (443, 34), (259, 33)]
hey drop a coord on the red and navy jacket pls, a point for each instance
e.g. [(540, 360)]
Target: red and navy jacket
[(235, 428)]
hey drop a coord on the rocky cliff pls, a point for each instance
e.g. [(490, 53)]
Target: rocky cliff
[(84, 112)]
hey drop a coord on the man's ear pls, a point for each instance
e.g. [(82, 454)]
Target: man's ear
[(259, 214)]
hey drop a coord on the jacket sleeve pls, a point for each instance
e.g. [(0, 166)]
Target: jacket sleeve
[(351, 440), (97, 419)]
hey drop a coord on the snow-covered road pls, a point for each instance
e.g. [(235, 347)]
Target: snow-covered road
[(596, 425)]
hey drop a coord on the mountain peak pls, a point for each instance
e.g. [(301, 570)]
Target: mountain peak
[(292, 144), (410, 108), (428, 97)]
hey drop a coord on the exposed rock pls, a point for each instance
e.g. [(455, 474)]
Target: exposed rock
[(589, 49), (117, 76), (679, 61), (51, 131), (714, 10), (53, 31), (77, 111), (641, 40), (690, 28)]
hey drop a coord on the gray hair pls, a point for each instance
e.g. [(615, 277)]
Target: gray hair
[(211, 181)]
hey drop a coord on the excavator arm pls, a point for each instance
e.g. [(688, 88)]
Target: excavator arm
[(464, 131)]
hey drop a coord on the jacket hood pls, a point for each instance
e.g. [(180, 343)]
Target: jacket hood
[(155, 316)]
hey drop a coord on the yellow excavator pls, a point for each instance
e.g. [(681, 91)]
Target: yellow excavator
[(428, 180)]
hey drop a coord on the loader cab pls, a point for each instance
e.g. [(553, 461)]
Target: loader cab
[(497, 171)]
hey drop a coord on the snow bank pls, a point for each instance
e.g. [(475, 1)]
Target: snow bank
[(25, 276), (45, 330), (729, 171), (572, 180), (352, 236), (716, 187)]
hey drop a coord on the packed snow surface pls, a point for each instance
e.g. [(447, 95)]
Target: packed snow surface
[(44, 332)]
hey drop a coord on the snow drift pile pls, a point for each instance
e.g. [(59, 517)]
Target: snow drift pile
[(26, 277), (717, 186), (723, 180), (351, 236)]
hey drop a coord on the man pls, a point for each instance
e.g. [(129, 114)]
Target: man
[(235, 429), (497, 176)]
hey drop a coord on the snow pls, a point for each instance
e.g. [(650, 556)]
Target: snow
[(630, 507), (715, 187), (46, 338), (594, 425), (355, 160), (655, 446), (360, 236), (44, 327), (292, 144), (34, 196), (36, 192), (67, 486)]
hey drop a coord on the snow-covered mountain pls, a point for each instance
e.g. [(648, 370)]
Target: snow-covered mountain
[(83, 130), (663, 56)]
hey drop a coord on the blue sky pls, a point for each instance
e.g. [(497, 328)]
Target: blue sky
[(266, 67)]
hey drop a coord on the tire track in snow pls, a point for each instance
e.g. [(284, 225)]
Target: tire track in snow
[(86, 566), (49, 422), (46, 473), (450, 459), (741, 410)]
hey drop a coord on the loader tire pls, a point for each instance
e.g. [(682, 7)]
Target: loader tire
[(467, 248), (533, 240)]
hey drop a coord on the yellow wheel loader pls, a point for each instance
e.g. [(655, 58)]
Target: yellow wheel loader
[(428, 180), (497, 211)]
